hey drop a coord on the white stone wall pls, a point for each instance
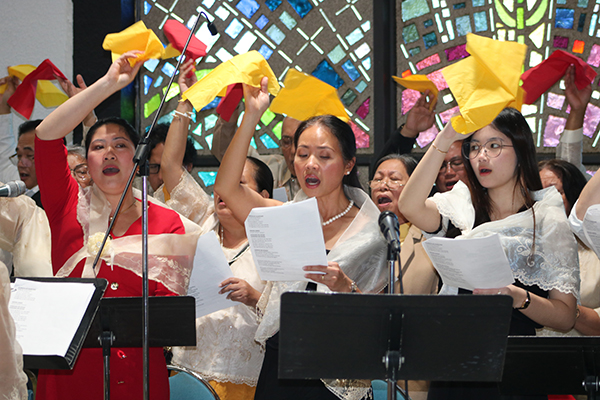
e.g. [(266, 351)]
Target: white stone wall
[(33, 30)]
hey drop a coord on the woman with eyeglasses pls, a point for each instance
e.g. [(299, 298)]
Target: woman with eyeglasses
[(390, 178), (503, 197)]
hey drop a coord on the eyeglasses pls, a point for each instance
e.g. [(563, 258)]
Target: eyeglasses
[(82, 171), (286, 141), (456, 165), (26, 159), (393, 184), (492, 148), (153, 168)]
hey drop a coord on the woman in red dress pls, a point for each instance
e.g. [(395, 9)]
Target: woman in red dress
[(79, 217)]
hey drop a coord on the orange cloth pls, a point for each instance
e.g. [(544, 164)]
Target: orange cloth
[(232, 391)]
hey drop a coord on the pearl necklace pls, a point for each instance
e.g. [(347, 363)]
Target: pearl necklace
[(340, 215)]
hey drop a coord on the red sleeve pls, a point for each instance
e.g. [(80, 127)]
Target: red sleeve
[(59, 192)]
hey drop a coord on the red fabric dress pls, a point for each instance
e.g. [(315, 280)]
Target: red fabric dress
[(85, 381)]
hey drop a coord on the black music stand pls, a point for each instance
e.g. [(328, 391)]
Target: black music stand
[(118, 323), (552, 365), (68, 360), (363, 336)]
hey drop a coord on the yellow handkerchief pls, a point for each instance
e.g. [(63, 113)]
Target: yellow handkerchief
[(485, 83), (304, 96), (418, 82), (136, 37), (47, 93), (248, 68)]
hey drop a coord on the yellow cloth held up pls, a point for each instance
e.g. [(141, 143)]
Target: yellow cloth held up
[(248, 68), (304, 96), (136, 37), (485, 83), (418, 82), (47, 93)]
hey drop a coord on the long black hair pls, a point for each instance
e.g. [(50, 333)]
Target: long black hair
[(345, 137), (512, 124), (262, 175)]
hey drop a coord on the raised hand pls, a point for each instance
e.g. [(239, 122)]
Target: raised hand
[(121, 73), (71, 90), (257, 99), (11, 86), (578, 99), (421, 116), (187, 76)]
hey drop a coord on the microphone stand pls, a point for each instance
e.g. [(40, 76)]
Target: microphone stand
[(140, 160), (393, 358)]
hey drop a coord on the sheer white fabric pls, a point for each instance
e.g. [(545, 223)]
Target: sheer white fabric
[(187, 198), (24, 231), (170, 256), (225, 348), (361, 254), (589, 268), (554, 264), (12, 377), (570, 149), (580, 227)]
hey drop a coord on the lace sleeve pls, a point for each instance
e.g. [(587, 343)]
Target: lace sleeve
[(454, 206), (189, 199)]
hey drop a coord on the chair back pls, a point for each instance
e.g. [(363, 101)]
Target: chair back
[(188, 385), (380, 391)]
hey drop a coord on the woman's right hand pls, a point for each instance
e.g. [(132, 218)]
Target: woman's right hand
[(121, 73), (257, 99)]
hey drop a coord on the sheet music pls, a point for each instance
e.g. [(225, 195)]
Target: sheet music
[(210, 269), (286, 238), (470, 263), (48, 314)]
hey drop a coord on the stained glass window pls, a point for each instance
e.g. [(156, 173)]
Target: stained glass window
[(543, 25), (331, 40)]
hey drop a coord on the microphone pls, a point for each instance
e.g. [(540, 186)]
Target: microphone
[(211, 25), (13, 189), (388, 223)]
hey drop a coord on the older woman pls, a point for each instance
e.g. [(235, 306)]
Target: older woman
[(78, 220), (325, 166)]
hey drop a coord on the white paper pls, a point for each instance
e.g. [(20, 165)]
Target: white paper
[(47, 314), (470, 263), (210, 269), (280, 194), (284, 239), (591, 227)]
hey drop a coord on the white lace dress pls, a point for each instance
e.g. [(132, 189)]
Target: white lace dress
[(225, 347), (555, 263)]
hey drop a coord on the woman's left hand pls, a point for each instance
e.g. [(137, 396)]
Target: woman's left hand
[(331, 276), (518, 294), (240, 290)]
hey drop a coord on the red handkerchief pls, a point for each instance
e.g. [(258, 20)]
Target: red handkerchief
[(23, 100), (177, 34), (229, 102), (540, 78)]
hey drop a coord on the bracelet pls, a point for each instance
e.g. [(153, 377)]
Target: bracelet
[(435, 147), (353, 287), (526, 303), (188, 114)]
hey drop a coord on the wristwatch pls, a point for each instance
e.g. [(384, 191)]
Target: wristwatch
[(526, 302)]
